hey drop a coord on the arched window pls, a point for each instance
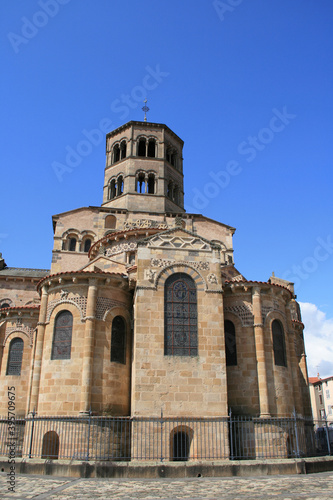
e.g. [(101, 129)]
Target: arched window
[(62, 336), (141, 184), (180, 316), (72, 245), (112, 189), (181, 446), (151, 148), (15, 356), (120, 185), (142, 147), (116, 153), (87, 245), (118, 340), (151, 184), (123, 150), (4, 305), (230, 343), (279, 346)]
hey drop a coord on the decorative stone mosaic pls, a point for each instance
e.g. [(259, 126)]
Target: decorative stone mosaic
[(144, 224), (200, 266), (244, 311), (104, 304), (78, 300)]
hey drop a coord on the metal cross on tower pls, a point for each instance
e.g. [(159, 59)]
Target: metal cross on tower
[(145, 109)]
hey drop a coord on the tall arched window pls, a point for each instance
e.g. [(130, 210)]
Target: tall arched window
[(62, 336), (142, 147), (120, 185), (141, 183), (180, 316), (279, 346), (230, 343), (116, 153), (123, 150), (87, 245), (15, 356), (72, 245), (112, 189), (118, 340), (151, 184), (151, 148)]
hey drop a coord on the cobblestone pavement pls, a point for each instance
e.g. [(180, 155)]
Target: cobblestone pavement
[(302, 487)]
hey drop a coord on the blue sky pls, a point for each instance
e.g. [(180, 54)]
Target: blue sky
[(247, 84)]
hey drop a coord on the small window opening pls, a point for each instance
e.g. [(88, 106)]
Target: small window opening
[(181, 446), (4, 305), (173, 159), (87, 245), (151, 184), (72, 244), (142, 147), (116, 153), (151, 148), (141, 185), (123, 149)]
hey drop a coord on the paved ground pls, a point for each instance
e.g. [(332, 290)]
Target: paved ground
[(310, 487)]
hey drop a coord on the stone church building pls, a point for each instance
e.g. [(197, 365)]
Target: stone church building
[(143, 309)]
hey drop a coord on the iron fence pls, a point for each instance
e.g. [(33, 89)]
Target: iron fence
[(177, 439)]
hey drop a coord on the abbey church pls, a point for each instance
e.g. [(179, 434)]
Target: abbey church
[(143, 310)]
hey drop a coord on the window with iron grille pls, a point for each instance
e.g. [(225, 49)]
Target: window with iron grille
[(230, 343), (180, 316), (15, 357), (279, 346), (118, 340), (62, 336)]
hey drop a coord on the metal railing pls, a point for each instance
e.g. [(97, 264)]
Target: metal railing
[(177, 439)]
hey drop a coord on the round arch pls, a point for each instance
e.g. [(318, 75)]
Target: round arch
[(176, 267)]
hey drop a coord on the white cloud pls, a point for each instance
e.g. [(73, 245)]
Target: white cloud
[(318, 336)]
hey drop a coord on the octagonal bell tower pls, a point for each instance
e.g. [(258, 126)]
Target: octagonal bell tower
[(144, 169)]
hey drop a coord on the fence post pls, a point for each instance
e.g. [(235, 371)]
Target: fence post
[(231, 437), (327, 436), (162, 435), (32, 431), (89, 422), (296, 435)]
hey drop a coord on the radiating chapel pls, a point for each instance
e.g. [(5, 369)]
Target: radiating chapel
[(143, 309)]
